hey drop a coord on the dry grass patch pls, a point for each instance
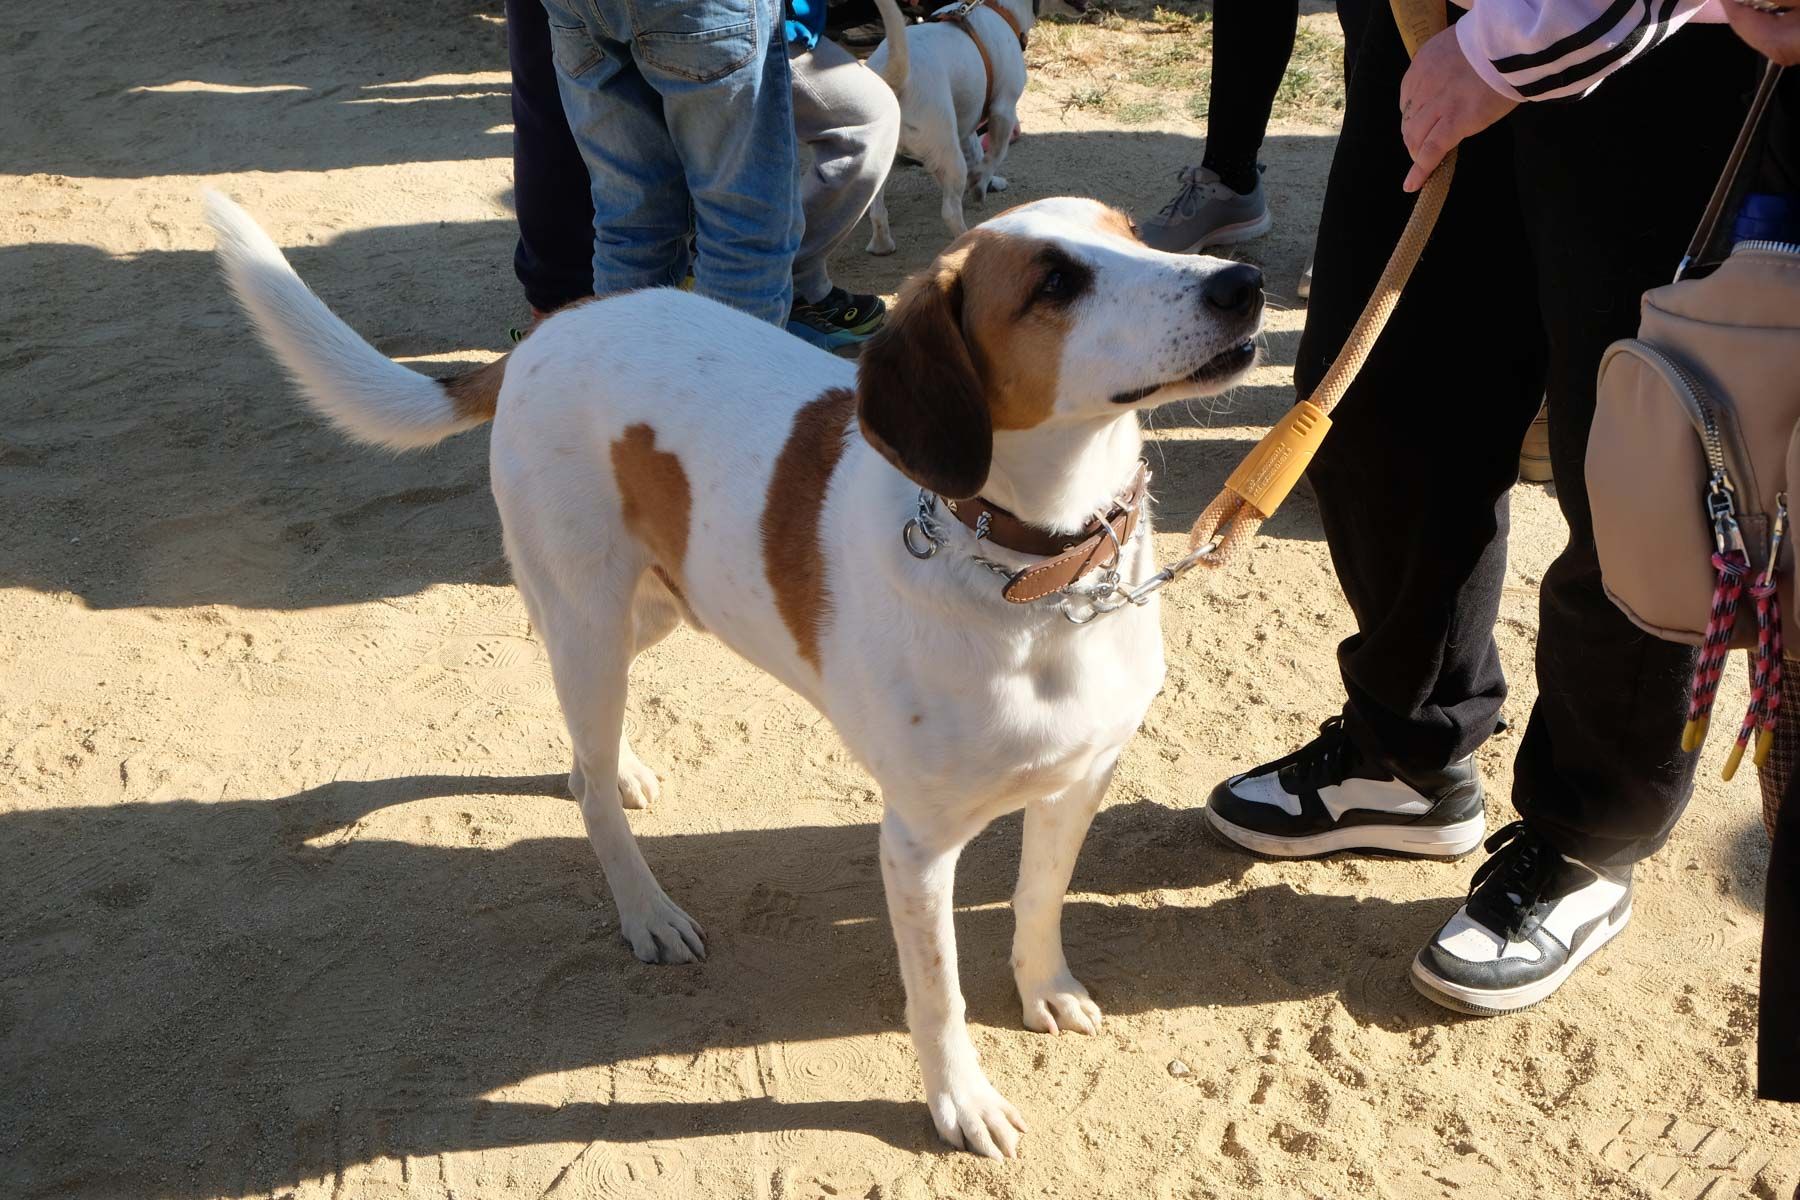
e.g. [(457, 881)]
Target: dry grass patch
[(1140, 62)]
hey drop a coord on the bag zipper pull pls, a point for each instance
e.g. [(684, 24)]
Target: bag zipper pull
[(1721, 506)]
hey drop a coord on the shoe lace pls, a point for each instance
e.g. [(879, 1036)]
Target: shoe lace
[(1325, 760), (1509, 886), (1193, 184)]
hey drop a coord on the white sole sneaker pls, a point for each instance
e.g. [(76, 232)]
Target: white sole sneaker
[(1484, 1003), (1231, 235), (1423, 841)]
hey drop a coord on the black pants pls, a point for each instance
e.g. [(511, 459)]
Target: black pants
[(1778, 1038), (555, 255), (1560, 217), (1252, 42)]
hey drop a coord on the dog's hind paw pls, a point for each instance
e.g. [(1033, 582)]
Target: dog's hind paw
[(997, 183)]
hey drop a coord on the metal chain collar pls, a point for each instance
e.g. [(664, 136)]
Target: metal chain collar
[(1079, 603)]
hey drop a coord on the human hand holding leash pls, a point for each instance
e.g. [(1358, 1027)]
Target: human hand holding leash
[(1443, 101), (1774, 33)]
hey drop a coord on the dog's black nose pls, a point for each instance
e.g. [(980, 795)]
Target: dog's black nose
[(1235, 289)]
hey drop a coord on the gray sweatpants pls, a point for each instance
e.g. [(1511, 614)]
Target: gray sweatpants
[(850, 119)]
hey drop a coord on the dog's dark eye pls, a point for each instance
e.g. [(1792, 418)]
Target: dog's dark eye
[(1062, 282)]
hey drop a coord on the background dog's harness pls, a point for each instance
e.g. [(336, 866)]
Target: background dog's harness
[(958, 15)]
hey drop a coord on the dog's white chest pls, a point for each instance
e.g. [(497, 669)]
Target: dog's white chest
[(974, 717)]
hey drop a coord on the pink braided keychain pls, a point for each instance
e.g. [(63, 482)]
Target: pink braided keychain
[(1765, 679), (1732, 566), (1765, 668)]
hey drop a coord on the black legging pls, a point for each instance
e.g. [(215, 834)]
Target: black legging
[(555, 254), (1252, 41), (1778, 1037)]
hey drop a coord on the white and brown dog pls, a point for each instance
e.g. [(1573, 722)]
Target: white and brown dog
[(948, 75), (656, 456)]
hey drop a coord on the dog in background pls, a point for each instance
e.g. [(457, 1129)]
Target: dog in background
[(657, 457), (948, 76)]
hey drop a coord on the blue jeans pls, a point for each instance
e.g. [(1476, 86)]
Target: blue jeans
[(683, 113)]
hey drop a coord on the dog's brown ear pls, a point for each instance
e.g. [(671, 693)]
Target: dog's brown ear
[(919, 398)]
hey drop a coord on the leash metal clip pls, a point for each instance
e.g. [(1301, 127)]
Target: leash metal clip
[(956, 12), (1111, 601)]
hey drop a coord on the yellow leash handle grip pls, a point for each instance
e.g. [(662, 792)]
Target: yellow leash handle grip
[(1419, 21), (1275, 464)]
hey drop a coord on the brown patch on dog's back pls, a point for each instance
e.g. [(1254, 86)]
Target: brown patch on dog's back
[(793, 557), (654, 493), (475, 394), (1018, 350)]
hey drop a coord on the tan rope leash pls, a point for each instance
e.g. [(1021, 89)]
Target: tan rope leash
[(1274, 465)]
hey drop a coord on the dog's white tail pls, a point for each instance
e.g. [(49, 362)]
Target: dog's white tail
[(899, 57), (369, 396)]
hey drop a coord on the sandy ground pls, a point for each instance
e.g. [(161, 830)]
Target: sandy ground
[(292, 901)]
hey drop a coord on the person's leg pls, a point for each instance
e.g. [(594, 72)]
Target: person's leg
[(721, 70), (640, 199), (1353, 19), (554, 257), (851, 120), (1252, 41), (1413, 481), (1778, 1033), (1611, 187), (1221, 202), (1412, 487), (1618, 182)]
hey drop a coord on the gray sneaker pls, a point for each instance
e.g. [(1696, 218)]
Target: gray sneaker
[(1206, 213)]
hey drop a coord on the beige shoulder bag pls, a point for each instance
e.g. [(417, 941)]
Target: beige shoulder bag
[(1688, 463)]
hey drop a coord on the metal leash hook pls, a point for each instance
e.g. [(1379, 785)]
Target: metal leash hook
[(1115, 597)]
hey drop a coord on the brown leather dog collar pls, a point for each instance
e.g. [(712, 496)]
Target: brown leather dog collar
[(1067, 557)]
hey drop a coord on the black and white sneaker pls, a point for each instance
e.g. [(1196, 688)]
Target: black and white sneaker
[(1327, 796), (1532, 917)]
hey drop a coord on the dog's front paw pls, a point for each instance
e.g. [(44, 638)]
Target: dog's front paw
[(972, 1116), (881, 244), (997, 183), (659, 932), (1059, 1003)]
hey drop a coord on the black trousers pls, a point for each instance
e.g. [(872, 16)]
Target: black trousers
[(555, 255), (1778, 1035), (1252, 42), (1560, 217)]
